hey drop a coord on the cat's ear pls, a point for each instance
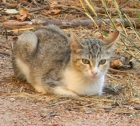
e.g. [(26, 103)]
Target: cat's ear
[(75, 42), (111, 40)]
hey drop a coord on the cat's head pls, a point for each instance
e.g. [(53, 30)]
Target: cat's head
[(92, 56)]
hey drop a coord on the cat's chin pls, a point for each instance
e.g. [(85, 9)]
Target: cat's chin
[(94, 77)]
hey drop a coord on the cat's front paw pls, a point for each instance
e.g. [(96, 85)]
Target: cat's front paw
[(65, 92), (40, 89)]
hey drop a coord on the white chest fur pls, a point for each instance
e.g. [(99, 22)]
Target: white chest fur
[(81, 85)]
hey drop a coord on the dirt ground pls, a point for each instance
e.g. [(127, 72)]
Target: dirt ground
[(21, 105)]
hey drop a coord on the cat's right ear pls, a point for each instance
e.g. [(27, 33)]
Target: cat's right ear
[(74, 42)]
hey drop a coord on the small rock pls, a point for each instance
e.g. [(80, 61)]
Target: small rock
[(12, 99), (87, 110), (43, 112), (137, 108)]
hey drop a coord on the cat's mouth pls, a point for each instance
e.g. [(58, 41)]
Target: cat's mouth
[(92, 76)]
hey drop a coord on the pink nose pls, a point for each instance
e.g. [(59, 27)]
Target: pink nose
[(94, 73)]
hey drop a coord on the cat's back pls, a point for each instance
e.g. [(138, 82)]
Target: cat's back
[(53, 45), (52, 37)]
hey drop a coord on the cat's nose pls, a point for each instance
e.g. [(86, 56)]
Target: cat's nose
[(94, 73)]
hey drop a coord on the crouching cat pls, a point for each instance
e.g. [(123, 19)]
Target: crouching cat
[(54, 63)]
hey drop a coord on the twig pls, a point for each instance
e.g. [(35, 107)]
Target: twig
[(36, 3), (12, 24), (5, 53), (121, 7), (116, 71), (10, 5), (42, 8), (125, 4), (16, 23), (76, 23), (58, 6)]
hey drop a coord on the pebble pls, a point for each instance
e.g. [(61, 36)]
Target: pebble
[(137, 108), (12, 99)]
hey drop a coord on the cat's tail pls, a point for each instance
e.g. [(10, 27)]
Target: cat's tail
[(27, 42)]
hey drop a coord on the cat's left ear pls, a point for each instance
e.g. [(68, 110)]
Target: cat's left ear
[(75, 42), (111, 39)]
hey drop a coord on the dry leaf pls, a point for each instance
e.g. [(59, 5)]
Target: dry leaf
[(22, 18), (17, 17), (11, 11), (116, 64), (101, 36), (15, 38), (53, 11), (97, 34), (56, 11), (23, 14), (3, 19), (53, 4)]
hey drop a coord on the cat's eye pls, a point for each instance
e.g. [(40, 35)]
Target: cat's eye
[(85, 61), (103, 61)]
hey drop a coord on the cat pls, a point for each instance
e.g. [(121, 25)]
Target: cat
[(54, 63)]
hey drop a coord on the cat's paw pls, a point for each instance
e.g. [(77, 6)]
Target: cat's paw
[(40, 89), (65, 92)]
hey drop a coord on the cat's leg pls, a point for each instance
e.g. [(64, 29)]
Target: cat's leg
[(100, 92), (22, 54), (39, 88), (100, 85), (36, 82), (64, 92), (22, 70)]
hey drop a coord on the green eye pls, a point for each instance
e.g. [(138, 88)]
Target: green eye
[(85, 61), (103, 61)]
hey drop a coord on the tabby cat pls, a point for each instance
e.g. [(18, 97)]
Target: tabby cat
[(54, 63)]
